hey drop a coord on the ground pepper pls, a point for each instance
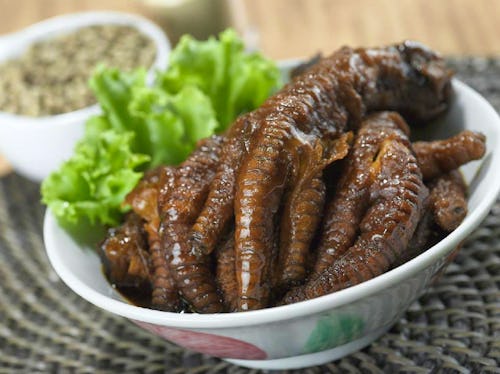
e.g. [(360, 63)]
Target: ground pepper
[(51, 77)]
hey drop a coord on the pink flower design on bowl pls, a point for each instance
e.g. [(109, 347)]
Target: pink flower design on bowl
[(214, 345)]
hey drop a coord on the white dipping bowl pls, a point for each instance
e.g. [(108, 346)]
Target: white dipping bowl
[(316, 331), (36, 146)]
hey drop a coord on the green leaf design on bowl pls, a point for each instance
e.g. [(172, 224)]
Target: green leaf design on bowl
[(333, 330)]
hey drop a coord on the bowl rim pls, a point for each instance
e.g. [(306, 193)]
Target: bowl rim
[(67, 23), (296, 310)]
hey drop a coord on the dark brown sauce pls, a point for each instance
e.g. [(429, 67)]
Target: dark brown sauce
[(138, 296)]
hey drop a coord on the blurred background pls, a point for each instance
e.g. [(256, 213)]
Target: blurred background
[(297, 28), (294, 28)]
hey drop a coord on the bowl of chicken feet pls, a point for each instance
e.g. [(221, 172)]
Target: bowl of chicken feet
[(306, 230)]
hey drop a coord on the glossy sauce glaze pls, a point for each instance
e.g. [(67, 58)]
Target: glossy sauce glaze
[(242, 222)]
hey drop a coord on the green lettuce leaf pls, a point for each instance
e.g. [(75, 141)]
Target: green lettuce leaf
[(235, 81), (175, 123), (114, 90), (93, 183)]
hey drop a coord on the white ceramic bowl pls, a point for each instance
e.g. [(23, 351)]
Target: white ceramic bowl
[(315, 331), (35, 146)]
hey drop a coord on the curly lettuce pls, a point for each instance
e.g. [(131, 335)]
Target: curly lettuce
[(174, 123), (235, 81), (93, 183)]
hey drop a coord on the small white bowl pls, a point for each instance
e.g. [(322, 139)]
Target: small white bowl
[(315, 331), (36, 146)]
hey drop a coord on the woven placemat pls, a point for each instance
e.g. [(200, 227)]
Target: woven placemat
[(45, 327)]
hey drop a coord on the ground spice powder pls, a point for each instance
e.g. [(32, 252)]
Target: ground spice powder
[(51, 77)]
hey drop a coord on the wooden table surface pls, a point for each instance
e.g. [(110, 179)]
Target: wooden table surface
[(297, 28)]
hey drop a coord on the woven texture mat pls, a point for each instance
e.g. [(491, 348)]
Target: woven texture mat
[(45, 327)]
